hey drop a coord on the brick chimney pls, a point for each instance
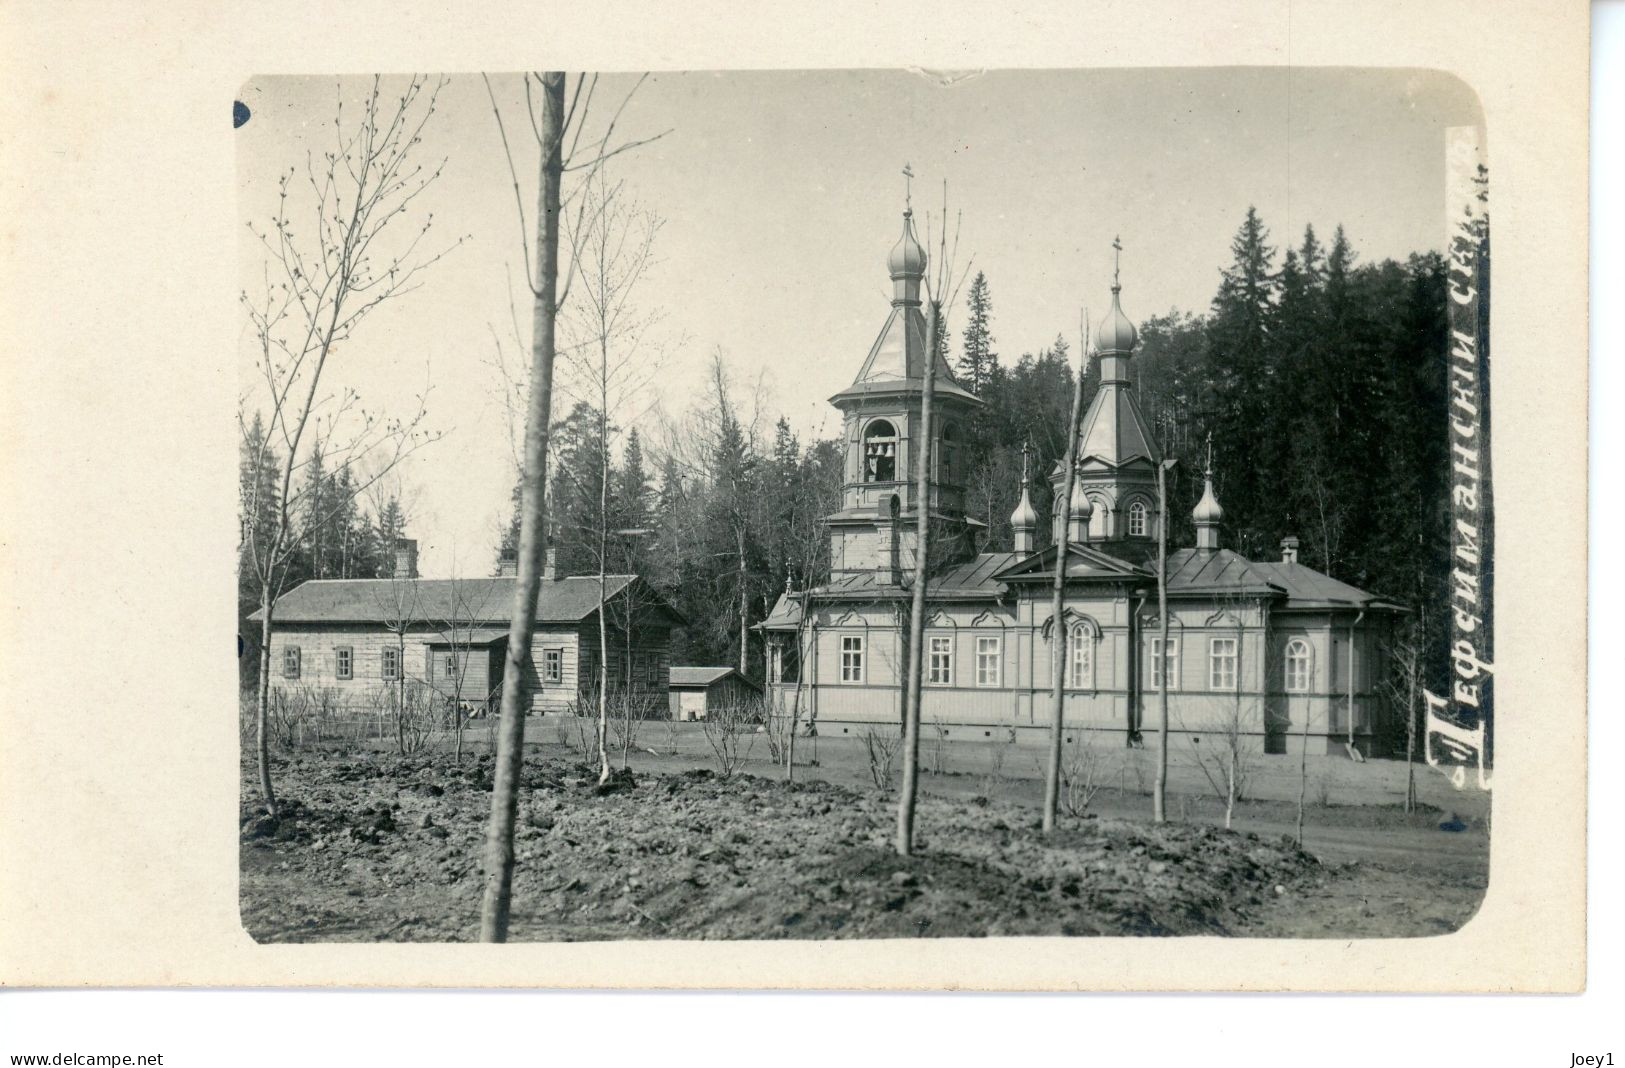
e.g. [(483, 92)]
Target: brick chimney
[(1289, 549), (508, 563), (406, 558)]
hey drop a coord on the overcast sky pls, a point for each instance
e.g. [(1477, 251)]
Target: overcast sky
[(782, 192)]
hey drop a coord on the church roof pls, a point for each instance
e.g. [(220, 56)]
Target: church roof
[(972, 580), (1082, 562), (1308, 588), (1114, 430), (896, 361), (1216, 571), (1195, 572)]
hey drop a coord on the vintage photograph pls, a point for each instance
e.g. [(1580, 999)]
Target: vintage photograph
[(863, 504)]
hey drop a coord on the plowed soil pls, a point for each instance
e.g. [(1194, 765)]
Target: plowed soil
[(375, 847)]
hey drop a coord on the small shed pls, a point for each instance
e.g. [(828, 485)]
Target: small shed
[(695, 691)]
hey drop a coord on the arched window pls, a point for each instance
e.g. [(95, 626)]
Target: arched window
[(950, 454), (1099, 518), (1298, 666), (1080, 658), (1137, 513), (880, 452)]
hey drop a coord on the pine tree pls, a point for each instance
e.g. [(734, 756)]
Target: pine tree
[(977, 358), (1242, 373)]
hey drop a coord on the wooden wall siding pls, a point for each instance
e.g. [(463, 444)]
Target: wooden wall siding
[(1022, 698), (318, 662)]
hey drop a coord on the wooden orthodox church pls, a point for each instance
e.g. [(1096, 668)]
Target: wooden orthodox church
[(1274, 648)]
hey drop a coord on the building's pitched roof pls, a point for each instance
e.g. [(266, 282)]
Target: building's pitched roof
[(1308, 588), (687, 677), (1216, 571), (975, 577), (896, 361), (786, 614), (1082, 562), (481, 600), (1194, 572), (970, 580)]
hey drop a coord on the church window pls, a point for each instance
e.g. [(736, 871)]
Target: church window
[(290, 662), (552, 665), (942, 661), (344, 662), (1297, 666), (1136, 519), (950, 454), (880, 452), (1158, 660), (1099, 518), (987, 661), (1080, 658), (851, 658), (391, 664), (1221, 664)]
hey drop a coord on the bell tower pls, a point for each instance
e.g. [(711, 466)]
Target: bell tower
[(874, 532)]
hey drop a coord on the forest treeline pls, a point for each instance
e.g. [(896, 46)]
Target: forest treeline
[(1321, 379)]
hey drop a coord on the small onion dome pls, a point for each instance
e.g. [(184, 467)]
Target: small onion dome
[(1207, 511), (1025, 517), (907, 257), (1116, 333), (1082, 506)]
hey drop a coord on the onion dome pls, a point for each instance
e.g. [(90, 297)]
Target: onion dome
[(1207, 510), (907, 259), (1207, 514), (1025, 517), (1116, 334)]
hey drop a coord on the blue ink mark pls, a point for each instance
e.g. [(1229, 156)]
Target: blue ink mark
[(239, 647), (239, 114), (1453, 824)]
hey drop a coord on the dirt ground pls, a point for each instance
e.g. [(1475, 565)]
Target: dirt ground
[(372, 846)]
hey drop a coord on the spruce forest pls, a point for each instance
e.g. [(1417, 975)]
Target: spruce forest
[(1321, 379)]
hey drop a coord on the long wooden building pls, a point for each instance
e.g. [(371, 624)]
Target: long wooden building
[(357, 639)]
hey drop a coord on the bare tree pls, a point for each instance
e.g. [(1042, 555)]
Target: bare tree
[(612, 246), (1159, 795), (934, 292), (1228, 766), (1404, 686), (1058, 633), (555, 126), (399, 612), (468, 605), (321, 279)]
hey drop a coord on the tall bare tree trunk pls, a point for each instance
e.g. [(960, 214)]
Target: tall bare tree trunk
[(494, 908), (916, 623), (262, 745), (1159, 796), (1058, 636), (1303, 766), (744, 603), (603, 680)]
